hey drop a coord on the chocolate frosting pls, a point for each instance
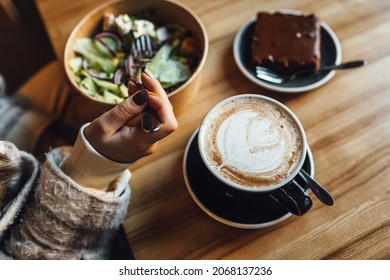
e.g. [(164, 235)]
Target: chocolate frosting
[(286, 42)]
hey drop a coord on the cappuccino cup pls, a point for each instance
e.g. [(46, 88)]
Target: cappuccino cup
[(255, 145)]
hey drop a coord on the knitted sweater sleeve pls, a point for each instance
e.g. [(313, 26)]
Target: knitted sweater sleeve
[(66, 220)]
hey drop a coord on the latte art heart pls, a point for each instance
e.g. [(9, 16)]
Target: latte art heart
[(252, 143), (254, 146)]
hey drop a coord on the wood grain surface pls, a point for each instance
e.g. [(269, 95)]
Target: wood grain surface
[(347, 122)]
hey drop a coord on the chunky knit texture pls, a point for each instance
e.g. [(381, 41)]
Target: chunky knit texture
[(60, 219), (71, 206), (18, 172)]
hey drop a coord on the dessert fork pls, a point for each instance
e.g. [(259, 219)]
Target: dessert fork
[(274, 77)]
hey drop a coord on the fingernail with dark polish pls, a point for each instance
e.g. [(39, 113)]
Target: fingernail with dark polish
[(141, 97)]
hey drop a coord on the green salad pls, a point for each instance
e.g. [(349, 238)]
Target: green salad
[(104, 63)]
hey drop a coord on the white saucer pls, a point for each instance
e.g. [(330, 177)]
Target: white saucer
[(330, 54), (248, 213)]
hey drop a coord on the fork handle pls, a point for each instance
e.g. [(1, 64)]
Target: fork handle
[(347, 65)]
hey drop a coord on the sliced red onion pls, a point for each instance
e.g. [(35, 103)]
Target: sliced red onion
[(100, 36), (119, 76), (107, 47), (93, 74), (131, 68)]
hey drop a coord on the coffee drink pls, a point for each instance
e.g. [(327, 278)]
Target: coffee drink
[(252, 142)]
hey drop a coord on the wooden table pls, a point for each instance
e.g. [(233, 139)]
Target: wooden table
[(347, 122)]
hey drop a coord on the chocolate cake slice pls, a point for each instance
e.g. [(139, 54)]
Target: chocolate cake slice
[(285, 42)]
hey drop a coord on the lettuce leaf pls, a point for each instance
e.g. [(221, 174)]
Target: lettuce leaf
[(96, 57), (168, 71)]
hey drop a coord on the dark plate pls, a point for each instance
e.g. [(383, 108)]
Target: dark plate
[(330, 54), (242, 213)]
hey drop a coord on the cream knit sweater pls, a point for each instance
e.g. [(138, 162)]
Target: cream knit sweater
[(59, 211)]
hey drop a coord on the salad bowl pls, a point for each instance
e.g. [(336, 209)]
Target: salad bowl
[(91, 102)]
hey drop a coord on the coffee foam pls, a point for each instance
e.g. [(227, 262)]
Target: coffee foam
[(252, 142)]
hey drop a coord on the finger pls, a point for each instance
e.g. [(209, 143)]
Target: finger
[(152, 84), (166, 116), (121, 114)]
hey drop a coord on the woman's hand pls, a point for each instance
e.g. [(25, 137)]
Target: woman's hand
[(110, 135)]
